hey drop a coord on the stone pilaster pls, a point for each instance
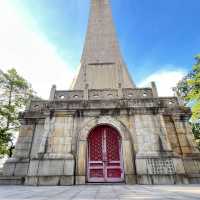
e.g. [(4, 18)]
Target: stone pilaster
[(48, 126), (190, 152), (147, 135), (172, 135), (81, 172), (19, 163), (155, 163), (55, 165), (184, 133)]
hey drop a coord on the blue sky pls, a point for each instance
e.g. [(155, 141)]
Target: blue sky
[(158, 39)]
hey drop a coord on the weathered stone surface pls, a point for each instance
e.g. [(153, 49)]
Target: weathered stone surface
[(48, 180), (9, 169), (81, 159), (192, 165), (178, 165), (80, 180), (21, 169), (11, 180), (51, 168), (130, 179), (68, 167), (39, 131), (67, 180), (157, 179), (33, 168), (31, 180), (194, 178), (128, 158), (141, 166)]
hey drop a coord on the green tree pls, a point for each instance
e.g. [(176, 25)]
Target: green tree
[(15, 92), (189, 90), (196, 132), (194, 92)]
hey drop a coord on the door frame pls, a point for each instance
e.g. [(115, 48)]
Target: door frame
[(103, 180)]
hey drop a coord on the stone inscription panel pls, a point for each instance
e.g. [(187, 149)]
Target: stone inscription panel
[(160, 166)]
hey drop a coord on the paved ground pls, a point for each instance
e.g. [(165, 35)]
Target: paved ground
[(100, 192)]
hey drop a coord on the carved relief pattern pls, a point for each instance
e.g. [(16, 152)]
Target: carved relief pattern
[(161, 166)]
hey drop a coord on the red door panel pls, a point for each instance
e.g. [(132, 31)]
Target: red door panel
[(96, 168), (113, 165), (104, 155)]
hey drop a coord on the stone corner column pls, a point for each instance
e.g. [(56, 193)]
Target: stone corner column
[(155, 162), (81, 173), (185, 136), (55, 163), (19, 163), (129, 163)]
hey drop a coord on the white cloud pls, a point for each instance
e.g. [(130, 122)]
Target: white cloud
[(23, 47), (165, 80)]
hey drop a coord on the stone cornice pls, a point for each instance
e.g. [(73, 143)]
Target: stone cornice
[(165, 106)]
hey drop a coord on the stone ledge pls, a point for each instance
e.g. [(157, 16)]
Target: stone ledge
[(80, 180), (156, 155), (194, 178), (11, 180), (131, 179), (49, 180), (14, 167), (193, 156), (193, 175), (161, 179), (55, 156), (51, 167), (147, 102)]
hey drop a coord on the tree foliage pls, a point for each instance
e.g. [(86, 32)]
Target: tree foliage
[(196, 132), (194, 93), (189, 90), (15, 92)]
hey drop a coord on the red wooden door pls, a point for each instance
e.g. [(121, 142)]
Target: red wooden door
[(104, 155)]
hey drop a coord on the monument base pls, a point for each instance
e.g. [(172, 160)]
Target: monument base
[(160, 170)]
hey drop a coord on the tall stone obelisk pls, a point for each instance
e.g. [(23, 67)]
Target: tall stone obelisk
[(101, 56)]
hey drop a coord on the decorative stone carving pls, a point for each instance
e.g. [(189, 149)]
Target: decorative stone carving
[(160, 166)]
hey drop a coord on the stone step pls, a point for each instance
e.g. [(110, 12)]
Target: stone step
[(11, 180)]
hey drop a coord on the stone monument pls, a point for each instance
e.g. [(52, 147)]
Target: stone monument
[(104, 129)]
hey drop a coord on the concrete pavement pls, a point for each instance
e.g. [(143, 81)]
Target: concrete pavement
[(101, 192)]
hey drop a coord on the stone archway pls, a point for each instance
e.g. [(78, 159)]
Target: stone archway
[(104, 155), (89, 125), (126, 146)]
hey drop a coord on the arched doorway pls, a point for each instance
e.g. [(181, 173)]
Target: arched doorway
[(104, 163)]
